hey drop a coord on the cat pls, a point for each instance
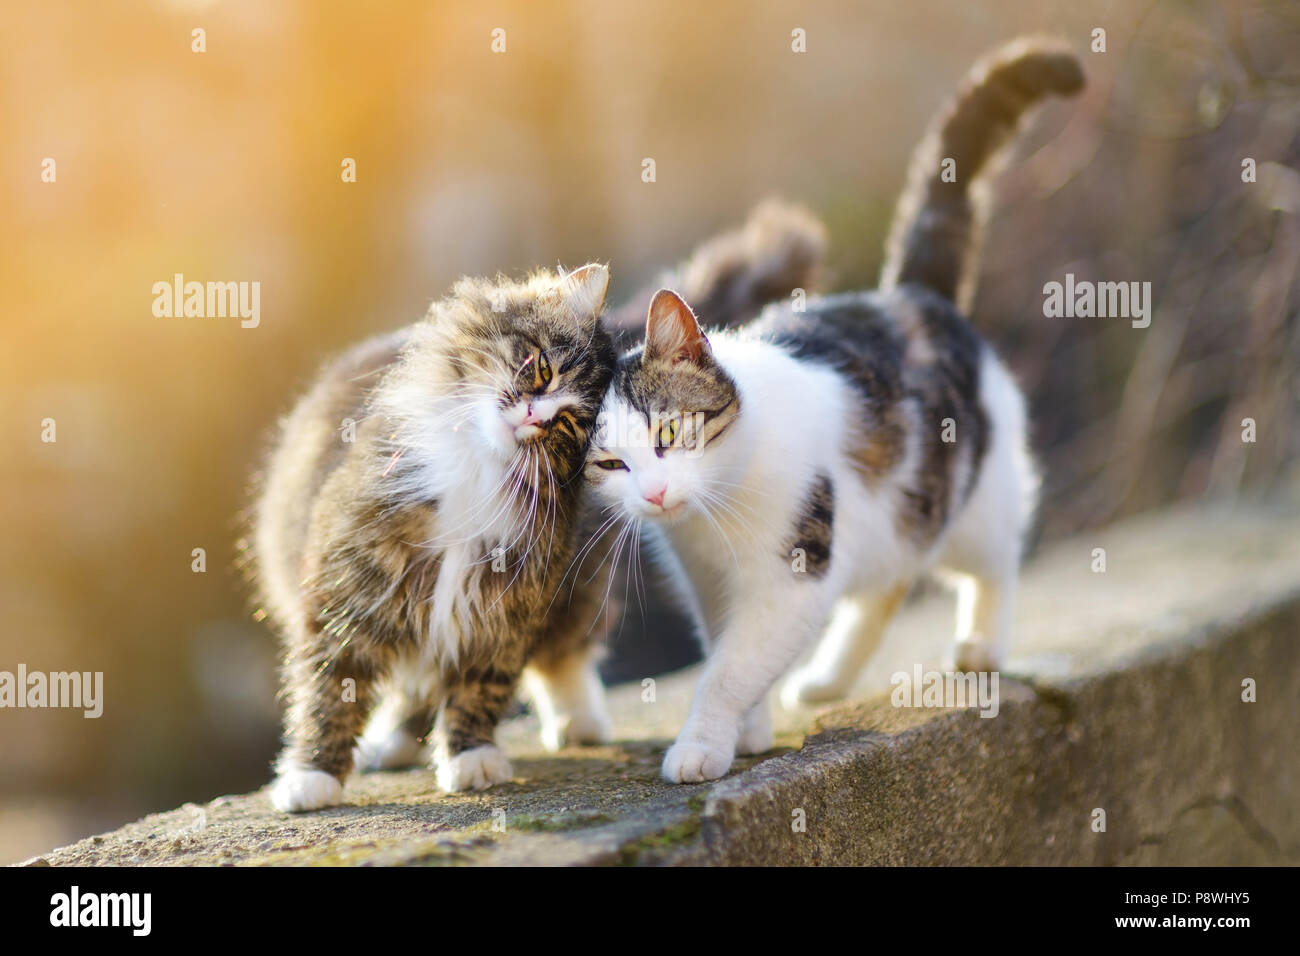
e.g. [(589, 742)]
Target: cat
[(779, 248), (417, 514), (809, 466), (422, 506)]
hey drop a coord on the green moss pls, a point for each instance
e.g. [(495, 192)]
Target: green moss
[(557, 823), (653, 847), (442, 852)]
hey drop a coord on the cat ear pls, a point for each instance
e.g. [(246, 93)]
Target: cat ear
[(583, 290), (671, 331)]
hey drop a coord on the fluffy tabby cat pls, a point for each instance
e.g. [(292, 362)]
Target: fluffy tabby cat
[(435, 538), (809, 466), (423, 505)]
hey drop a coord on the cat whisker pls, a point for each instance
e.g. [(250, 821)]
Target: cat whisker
[(630, 523), (575, 563)]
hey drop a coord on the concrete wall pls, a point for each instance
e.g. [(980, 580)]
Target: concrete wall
[(1124, 695)]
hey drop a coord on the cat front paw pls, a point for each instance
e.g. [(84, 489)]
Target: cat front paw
[(974, 657), (474, 769), (755, 739), (300, 790), (756, 731), (395, 749), (689, 761), (805, 688), (576, 730)]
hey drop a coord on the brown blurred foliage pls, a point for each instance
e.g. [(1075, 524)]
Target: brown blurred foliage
[(225, 165), (1146, 183)]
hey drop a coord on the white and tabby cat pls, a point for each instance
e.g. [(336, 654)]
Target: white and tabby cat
[(808, 467)]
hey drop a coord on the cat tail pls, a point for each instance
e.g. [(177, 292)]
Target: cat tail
[(729, 278), (934, 240)]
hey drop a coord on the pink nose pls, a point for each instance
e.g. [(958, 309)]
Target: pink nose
[(532, 418), (657, 497)]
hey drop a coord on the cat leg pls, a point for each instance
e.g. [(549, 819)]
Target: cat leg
[(394, 736), (561, 677), (856, 628), (984, 605), (756, 729), (986, 541), (763, 638), (465, 754), (330, 693), (983, 565), (570, 699), (403, 717)]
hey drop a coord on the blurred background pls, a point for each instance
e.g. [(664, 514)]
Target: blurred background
[(225, 166)]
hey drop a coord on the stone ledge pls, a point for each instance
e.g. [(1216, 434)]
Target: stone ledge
[(1123, 693)]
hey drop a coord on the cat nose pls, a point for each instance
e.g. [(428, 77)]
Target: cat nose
[(656, 497), (532, 418)]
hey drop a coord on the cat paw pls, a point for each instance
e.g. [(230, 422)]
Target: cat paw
[(974, 657), (576, 730), (803, 689), (390, 751), (755, 740), (688, 761), (299, 790), (475, 769)]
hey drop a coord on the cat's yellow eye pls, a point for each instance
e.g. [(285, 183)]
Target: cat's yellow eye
[(612, 464), (544, 368), (667, 433)]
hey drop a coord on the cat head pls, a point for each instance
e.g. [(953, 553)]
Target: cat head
[(661, 449), (516, 369)]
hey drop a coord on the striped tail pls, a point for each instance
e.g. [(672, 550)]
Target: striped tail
[(728, 279), (934, 240)]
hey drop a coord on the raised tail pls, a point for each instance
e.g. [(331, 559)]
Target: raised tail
[(935, 236), (730, 277)]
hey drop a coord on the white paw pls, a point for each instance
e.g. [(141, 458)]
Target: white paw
[(298, 790), (575, 730), (475, 769), (974, 656), (397, 748), (688, 761), (755, 738), (804, 688)]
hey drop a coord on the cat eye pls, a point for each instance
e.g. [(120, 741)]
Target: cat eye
[(612, 464), (544, 368), (667, 433)]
